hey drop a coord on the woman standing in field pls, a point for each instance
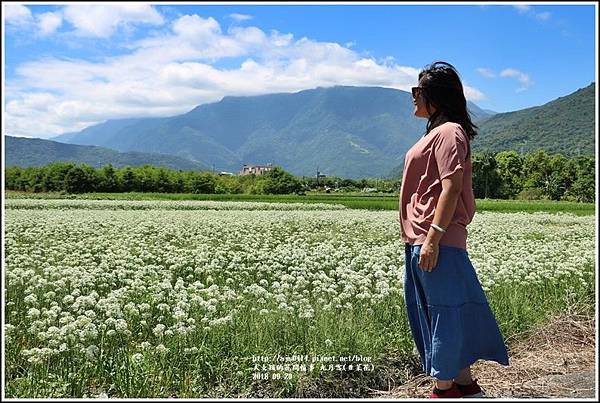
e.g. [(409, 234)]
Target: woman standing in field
[(449, 315)]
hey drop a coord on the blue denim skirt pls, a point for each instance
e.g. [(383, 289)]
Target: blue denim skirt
[(449, 315)]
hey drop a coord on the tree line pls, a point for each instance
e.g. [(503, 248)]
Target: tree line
[(503, 175), (537, 175)]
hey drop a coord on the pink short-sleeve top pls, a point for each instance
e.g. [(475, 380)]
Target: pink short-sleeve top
[(434, 157)]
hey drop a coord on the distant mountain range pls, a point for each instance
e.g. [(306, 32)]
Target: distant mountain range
[(565, 125), (347, 131), (26, 152), (352, 132)]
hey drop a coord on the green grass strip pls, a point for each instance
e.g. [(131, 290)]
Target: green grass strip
[(351, 200)]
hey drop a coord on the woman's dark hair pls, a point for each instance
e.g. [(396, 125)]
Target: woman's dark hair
[(443, 90)]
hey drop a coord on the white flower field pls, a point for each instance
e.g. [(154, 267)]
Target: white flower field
[(159, 299)]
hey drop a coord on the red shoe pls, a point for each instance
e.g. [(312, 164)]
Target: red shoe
[(471, 390), (453, 392)]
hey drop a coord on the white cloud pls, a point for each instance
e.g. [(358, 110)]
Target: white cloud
[(520, 76), (486, 72), (240, 17), (522, 8), (193, 26), (102, 20), (89, 20), (543, 16), (528, 10), (473, 94), (173, 71), (48, 23), (16, 14)]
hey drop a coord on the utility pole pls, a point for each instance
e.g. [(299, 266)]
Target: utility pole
[(213, 165), (317, 175)]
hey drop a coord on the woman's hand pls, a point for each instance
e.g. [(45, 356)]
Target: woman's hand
[(444, 210), (429, 255)]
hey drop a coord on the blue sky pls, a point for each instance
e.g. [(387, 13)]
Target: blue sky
[(72, 65)]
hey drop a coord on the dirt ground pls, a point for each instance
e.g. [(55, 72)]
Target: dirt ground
[(557, 360)]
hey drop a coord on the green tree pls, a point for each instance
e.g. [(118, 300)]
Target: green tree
[(129, 180), (178, 181), (225, 184), (278, 181), (77, 180), (93, 178), (202, 182), (110, 180), (54, 175), (13, 178), (509, 166), (486, 180), (35, 178), (257, 186), (537, 169), (584, 187), (560, 177), (162, 182), (146, 178)]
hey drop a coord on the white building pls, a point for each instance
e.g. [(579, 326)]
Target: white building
[(255, 169)]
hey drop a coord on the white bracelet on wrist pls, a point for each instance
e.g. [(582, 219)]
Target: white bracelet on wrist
[(438, 228)]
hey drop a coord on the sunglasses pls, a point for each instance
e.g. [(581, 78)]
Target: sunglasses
[(415, 91)]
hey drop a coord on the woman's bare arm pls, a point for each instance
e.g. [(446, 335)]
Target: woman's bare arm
[(444, 210)]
